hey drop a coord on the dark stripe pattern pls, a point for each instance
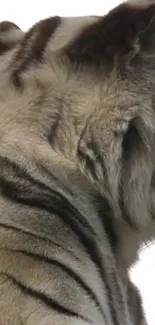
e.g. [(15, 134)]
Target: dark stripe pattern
[(23, 189), (107, 218), (69, 272), (44, 298), (31, 234), (44, 198), (33, 47)]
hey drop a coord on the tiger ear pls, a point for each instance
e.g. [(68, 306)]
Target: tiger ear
[(127, 30), (10, 35)]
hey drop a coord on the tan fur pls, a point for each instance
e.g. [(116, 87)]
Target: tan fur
[(76, 117)]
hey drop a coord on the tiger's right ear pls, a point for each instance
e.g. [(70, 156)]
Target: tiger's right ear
[(125, 32), (10, 36)]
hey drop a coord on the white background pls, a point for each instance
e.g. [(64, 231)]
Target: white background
[(26, 13)]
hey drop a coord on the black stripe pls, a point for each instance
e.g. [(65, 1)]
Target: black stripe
[(67, 270), (52, 205), (152, 216), (53, 202), (27, 190), (153, 179), (44, 298), (106, 215), (127, 219), (33, 47), (41, 238)]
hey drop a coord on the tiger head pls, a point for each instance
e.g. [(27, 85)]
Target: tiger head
[(77, 95)]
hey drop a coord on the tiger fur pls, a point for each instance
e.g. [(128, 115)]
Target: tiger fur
[(77, 126)]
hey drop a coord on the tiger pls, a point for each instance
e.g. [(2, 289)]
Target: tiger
[(77, 156)]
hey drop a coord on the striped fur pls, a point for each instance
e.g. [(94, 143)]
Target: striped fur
[(77, 127)]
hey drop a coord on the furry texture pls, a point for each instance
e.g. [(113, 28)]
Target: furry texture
[(77, 125)]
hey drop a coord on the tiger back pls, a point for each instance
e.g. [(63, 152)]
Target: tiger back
[(77, 127)]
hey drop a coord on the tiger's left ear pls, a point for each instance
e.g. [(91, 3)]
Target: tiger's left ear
[(127, 30), (10, 36)]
